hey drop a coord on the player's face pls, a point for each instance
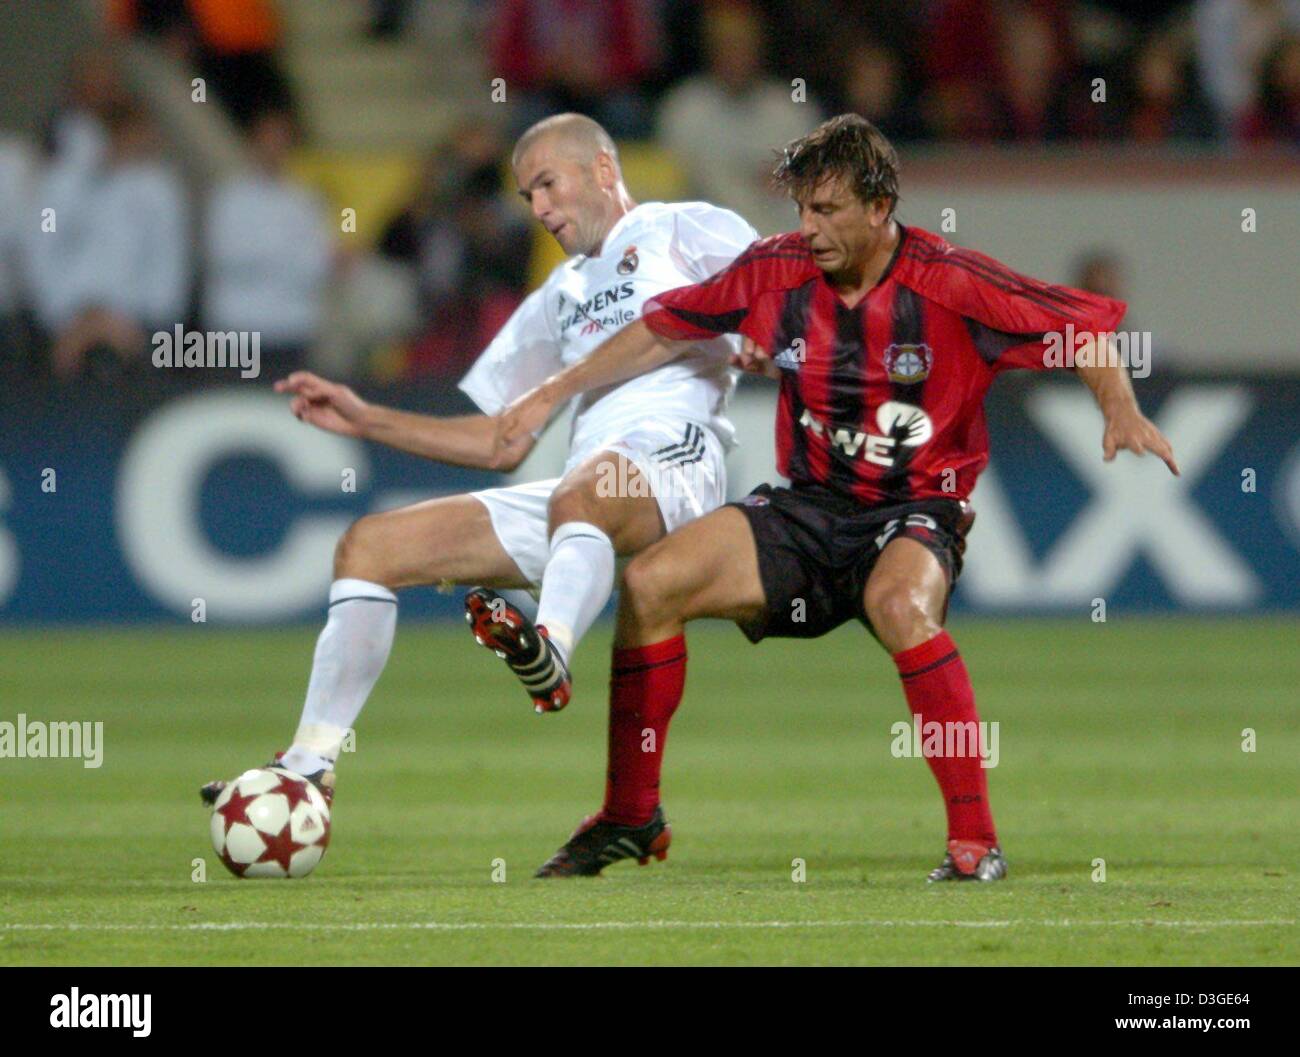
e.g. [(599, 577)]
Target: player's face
[(841, 231), (564, 195)]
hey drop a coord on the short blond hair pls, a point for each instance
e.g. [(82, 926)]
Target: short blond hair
[(584, 137)]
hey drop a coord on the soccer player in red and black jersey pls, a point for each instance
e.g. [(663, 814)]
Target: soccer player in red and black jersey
[(885, 340)]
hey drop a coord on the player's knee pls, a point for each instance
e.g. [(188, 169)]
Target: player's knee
[(898, 611), (356, 554), (569, 503), (648, 588)]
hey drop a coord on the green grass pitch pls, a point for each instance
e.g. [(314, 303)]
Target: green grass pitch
[(1119, 741)]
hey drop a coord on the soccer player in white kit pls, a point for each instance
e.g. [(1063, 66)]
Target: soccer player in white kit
[(646, 456)]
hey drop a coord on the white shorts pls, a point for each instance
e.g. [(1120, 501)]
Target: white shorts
[(682, 463)]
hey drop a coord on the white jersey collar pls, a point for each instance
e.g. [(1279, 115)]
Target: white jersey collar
[(619, 225)]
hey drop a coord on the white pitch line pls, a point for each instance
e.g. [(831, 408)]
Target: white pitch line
[(583, 926)]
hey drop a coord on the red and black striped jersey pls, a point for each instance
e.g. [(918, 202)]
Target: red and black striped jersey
[(883, 402)]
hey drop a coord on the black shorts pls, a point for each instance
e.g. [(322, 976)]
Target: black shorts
[(816, 549)]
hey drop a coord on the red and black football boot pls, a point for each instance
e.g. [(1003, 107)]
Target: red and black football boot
[(525, 647), (969, 860), (597, 843), (322, 780)]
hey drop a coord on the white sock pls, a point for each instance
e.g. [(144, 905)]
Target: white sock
[(350, 653), (577, 583), (523, 600)]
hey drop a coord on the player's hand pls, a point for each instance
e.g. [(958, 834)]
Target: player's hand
[(324, 404), (754, 359), (1130, 430), (526, 415)]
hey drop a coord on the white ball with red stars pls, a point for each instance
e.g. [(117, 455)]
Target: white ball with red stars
[(270, 822)]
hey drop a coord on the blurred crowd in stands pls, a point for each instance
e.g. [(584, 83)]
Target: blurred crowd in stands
[(924, 70), (102, 243)]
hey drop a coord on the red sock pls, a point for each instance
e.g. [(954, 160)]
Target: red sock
[(645, 689), (938, 690)]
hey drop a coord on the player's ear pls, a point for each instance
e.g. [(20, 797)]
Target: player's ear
[(606, 171)]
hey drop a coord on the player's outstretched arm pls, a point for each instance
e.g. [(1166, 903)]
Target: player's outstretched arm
[(1127, 429), (632, 351), (463, 440)]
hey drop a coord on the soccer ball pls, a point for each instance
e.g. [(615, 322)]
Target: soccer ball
[(270, 822)]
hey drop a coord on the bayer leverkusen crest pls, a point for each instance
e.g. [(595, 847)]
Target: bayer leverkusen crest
[(908, 364)]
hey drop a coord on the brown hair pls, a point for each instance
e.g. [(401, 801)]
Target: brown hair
[(848, 146)]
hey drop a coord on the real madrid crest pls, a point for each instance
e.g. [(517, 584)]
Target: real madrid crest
[(908, 364), (629, 262)]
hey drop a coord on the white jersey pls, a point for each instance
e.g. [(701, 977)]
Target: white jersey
[(655, 247)]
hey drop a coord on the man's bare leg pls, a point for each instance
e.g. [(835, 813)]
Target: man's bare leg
[(905, 600), (443, 540), (602, 509), (906, 595), (708, 567)]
